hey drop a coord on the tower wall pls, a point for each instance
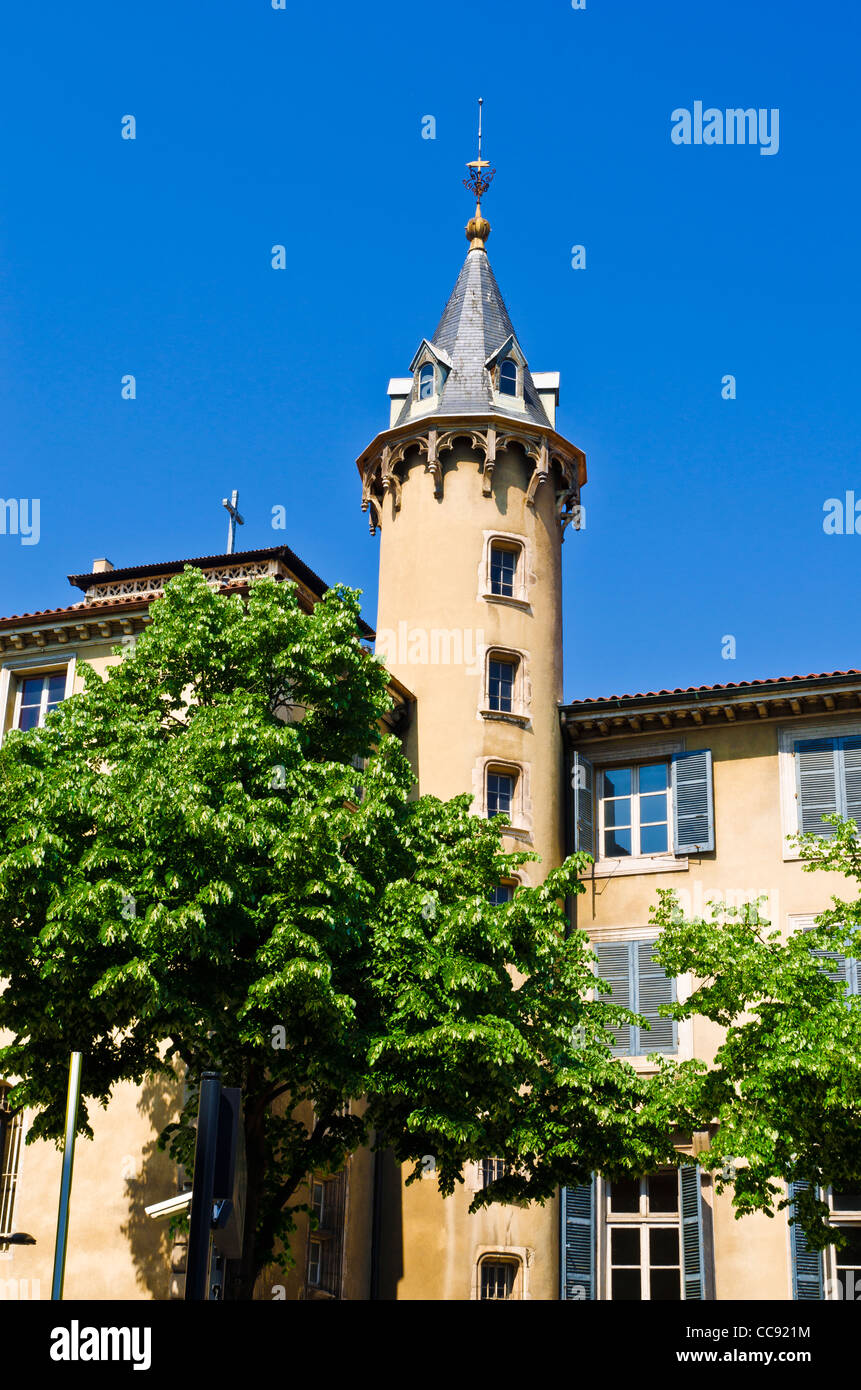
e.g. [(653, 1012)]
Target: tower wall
[(434, 559)]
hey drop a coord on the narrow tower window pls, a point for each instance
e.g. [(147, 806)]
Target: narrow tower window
[(500, 793), (426, 381), (501, 686), (508, 378), (500, 1279), (503, 566)]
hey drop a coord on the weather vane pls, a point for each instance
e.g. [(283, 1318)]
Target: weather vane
[(478, 182)]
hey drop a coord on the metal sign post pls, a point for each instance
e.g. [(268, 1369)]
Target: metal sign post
[(72, 1101), (200, 1229)]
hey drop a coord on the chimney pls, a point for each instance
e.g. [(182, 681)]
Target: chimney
[(101, 566)]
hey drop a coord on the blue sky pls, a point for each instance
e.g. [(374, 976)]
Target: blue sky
[(303, 127)]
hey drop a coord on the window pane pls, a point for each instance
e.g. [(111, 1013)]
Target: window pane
[(664, 1192), (625, 1286), (849, 1256), (56, 689), (502, 893), (618, 812), (508, 378), (625, 1245), (426, 381), (617, 782), (617, 843), (31, 690), (653, 839), (653, 808), (665, 1286), (29, 717), (653, 777), (625, 1195), (663, 1245), (847, 1201)]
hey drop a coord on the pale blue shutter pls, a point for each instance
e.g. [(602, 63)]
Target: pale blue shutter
[(817, 783), (807, 1283), (693, 802), (839, 967), (583, 782), (578, 1242), (851, 755), (691, 1207), (615, 965), (653, 989)]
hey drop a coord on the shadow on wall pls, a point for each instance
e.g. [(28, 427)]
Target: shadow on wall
[(160, 1101)]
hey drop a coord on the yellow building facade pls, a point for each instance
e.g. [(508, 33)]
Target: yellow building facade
[(472, 490)]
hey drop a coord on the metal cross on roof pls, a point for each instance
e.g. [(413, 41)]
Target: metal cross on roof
[(235, 519), (477, 182)]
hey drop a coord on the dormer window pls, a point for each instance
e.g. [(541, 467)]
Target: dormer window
[(426, 381), (508, 378)]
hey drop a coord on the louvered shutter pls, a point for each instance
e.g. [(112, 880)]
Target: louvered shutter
[(841, 969), (851, 751), (693, 802), (615, 965), (817, 783), (583, 782), (653, 989), (807, 1281), (839, 966), (691, 1207), (578, 1242)]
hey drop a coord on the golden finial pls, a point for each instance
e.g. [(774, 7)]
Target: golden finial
[(478, 228)]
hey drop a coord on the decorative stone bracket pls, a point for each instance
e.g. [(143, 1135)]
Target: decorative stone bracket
[(380, 477)]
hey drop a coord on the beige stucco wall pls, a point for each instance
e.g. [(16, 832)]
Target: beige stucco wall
[(751, 1254), (114, 1249), (432, 553)]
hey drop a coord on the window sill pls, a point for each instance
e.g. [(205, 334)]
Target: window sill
[(505, 716), (509, 601), (517, 833), (653, 864)]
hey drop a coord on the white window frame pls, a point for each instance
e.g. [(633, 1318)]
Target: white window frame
[(639, 1220), (13, 673), (603, 755), (522, 690), (829, 1263), (787, 736), (524, 574), (315, 1261), (520, 815), (634, 798)]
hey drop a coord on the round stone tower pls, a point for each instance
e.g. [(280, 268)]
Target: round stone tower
[(471, 489)]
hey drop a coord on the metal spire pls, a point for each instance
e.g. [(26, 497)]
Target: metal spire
[(478, 228)]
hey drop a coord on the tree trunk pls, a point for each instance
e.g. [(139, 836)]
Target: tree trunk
[(255, 1159)]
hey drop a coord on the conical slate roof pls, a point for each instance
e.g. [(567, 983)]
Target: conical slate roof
[(474, 325)]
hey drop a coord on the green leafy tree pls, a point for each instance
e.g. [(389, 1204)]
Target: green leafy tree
[(194, 870), (783, 1097)]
